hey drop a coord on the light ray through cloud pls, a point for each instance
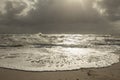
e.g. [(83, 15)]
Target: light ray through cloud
[(77, 2)]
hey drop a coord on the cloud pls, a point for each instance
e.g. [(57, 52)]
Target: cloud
[(108, 8), (45, 11), (17, 16), (62, 11), (16, 7)]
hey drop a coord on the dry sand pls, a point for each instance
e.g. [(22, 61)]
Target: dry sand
[(108, 73)]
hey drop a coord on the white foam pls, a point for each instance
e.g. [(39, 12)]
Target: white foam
[(57, 58)]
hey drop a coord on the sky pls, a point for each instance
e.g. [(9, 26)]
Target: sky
[(60, 16)]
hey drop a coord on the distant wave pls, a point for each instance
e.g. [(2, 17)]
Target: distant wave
[(72, 40)]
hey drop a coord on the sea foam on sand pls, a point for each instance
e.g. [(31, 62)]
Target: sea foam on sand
[(56, 58)]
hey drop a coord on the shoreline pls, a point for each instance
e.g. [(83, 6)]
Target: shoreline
[(106, 73), (59, 70)]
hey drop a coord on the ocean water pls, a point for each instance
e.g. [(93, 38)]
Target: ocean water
[(54, 52)]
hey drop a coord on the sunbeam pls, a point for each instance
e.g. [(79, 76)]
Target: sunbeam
[(77, 2)]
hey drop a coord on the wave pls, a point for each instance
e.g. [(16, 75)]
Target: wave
[(53, 59), (59, 40), (67, 39), (52, 52)]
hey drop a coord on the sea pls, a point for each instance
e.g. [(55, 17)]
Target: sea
[(58, 52)]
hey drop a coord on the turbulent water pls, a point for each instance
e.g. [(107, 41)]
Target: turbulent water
[(52, 52)]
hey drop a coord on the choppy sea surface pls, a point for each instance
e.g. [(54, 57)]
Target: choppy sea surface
[(53, 52)]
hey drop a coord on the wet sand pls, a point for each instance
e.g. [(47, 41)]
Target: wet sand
[(108, 73)]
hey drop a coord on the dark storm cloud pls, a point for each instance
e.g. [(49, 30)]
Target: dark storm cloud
[(47, 11), (108, 8), (31, 16), (58, 11), (12, 10), (11, 13)]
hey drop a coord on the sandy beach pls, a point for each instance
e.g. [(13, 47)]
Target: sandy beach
[(59, 39), (108, 73)]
